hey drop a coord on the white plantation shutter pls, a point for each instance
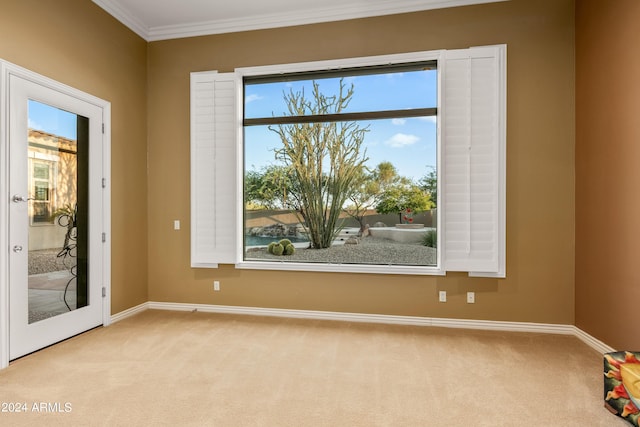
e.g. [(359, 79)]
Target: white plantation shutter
[(473, 160), (214, 124)]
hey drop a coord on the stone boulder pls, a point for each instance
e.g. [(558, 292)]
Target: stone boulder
[(352, 241), (275, 230)]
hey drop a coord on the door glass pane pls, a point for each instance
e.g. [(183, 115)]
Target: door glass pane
[(58, 214)]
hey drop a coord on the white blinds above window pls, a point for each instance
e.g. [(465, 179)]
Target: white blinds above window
[(473, 160), (214, 123)]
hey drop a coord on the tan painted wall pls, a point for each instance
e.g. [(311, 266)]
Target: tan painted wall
[(608, 171), (77, 43), (540, 162)]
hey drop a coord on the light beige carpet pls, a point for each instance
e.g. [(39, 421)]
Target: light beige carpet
[(198, 369)]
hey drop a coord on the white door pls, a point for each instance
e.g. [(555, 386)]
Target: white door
[(56, 257)]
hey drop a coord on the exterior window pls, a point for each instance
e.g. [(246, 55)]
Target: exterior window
[(42, 191), (341, 167)]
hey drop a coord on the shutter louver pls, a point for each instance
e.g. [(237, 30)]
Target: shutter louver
[(214, 123), (473, 150)]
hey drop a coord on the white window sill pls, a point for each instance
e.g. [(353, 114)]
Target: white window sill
[(341, 268)]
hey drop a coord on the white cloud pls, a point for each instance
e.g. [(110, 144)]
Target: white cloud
[(431, 119), (400, 140), (398, 122), (251, 98), (395, 75), (33, 125)]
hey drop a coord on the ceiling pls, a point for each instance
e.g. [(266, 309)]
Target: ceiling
[(169, 19)]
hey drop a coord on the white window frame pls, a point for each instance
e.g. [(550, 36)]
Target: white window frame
[(473, 257)]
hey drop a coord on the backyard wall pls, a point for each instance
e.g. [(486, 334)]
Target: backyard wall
[(607, 171), (263, 217), (79, 44), (540, 165)]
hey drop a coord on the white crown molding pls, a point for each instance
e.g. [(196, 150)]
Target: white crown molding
[(487, 325), (275, 20)]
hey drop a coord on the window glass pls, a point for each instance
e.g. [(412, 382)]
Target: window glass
[(42, 189), (340, 167), (380, 91)]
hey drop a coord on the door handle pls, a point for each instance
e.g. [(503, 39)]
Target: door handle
[(18, 199), (17, 248)]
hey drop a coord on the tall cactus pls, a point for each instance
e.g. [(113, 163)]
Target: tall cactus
[(326, 158)]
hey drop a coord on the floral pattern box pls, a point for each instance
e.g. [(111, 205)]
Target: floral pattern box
[(622, 384)]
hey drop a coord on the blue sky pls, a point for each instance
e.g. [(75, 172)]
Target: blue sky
[(410, 144), (52, 120)]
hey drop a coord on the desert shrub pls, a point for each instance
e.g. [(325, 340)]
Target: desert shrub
[(430, 239), (289, 249), (326, 159), (277, 249), (283, 247), (285, 242)]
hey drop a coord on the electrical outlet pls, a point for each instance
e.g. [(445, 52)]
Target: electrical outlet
[(442, 296), (176, 224), (471, 297), (216, 285)]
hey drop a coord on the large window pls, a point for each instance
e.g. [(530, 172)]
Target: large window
[(340, 167), (390, 164)]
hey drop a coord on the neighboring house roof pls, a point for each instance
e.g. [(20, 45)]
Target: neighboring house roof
[(48, 141)]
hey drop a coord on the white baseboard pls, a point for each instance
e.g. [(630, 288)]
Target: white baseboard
[(591, 341), (129, 312), (489, 325)]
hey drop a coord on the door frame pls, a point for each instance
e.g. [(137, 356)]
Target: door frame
[(7, 69)]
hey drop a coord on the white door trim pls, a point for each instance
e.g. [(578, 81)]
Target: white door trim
[(7, 69)]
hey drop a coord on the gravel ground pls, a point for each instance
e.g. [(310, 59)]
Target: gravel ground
[(369, 251), (45, 261)]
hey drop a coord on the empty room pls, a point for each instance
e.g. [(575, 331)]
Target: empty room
[(330, 213)]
